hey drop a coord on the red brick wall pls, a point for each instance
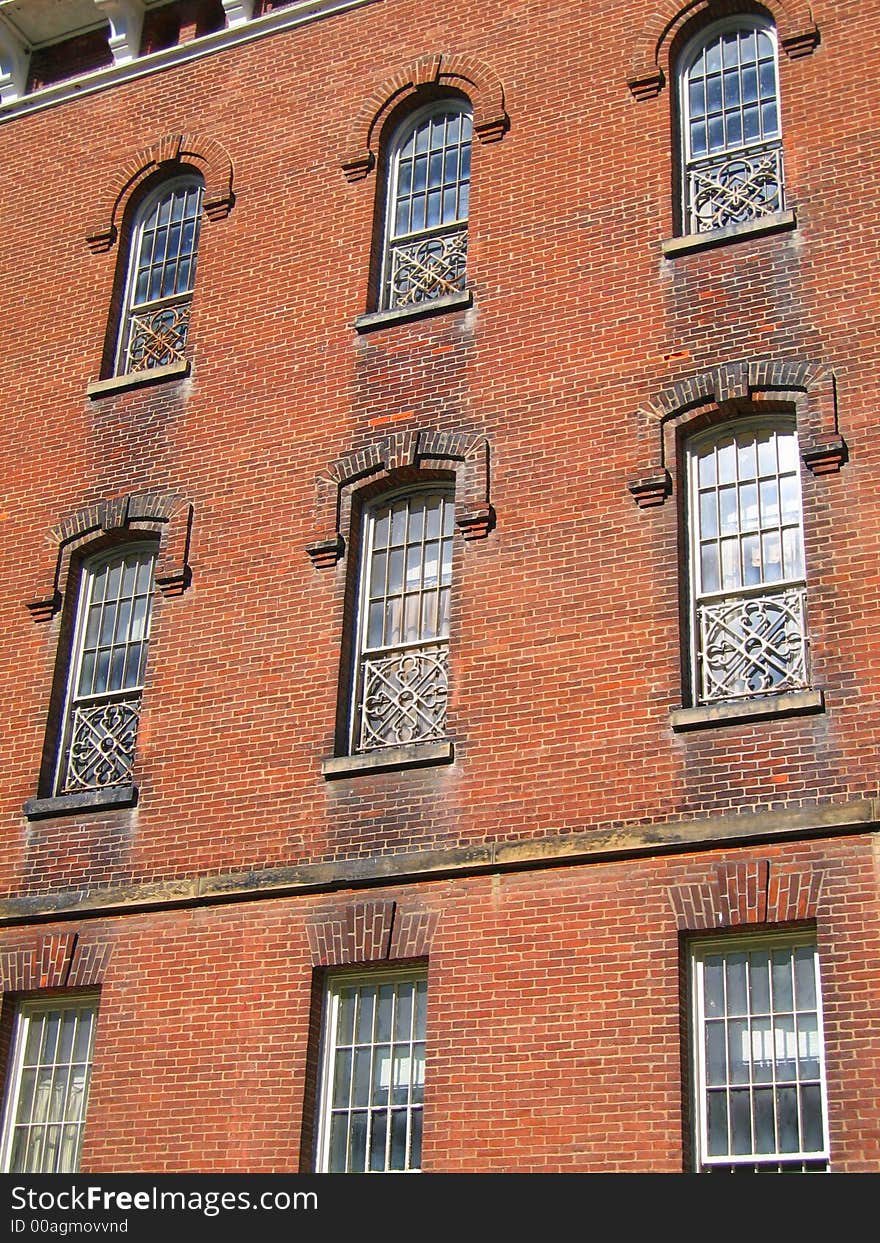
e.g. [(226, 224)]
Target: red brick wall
[(566, 649)]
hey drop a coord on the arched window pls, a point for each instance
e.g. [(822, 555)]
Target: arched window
[(161, 277), (429, 165), (106, 671), (731, 135), (748, 597), (403, 623)]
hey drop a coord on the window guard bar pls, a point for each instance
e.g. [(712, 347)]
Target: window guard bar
[(404, 693), (752, 644), (101, 742), (426, 265), (734, 187), (157, 333)]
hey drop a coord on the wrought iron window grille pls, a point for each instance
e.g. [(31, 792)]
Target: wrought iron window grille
[(734, 188), (753, 643)]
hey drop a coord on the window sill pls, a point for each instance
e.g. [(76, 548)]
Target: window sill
[(796, 703), (411, 755), (403, 314), (774, 223), (88, 800), (137, 379)]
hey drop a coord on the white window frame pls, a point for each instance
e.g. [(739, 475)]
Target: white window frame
[(420, 677), (121, 708), (755, 1038), (741, 165), (439, 252), (25, 1013), (164, 338), (784, 620), (414, 1087)]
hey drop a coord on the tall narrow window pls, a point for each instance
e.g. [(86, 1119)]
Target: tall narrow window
[(162, 270), (429, 172), (403, 648), (373, 1074), (45, 1109), (731, 139), (758, 1056), (107, 666), (747, 563)]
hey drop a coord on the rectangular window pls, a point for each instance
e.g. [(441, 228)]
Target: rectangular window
[(48, 1086), (373, 1073), (758, 1055)]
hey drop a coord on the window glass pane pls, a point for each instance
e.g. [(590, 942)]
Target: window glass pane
[(342, 1078), (338, 1144), (741, 1122), (765, 1138), (787, 1119), (398, 1140), (379, 1127), (357, 1143), (717, 1124)]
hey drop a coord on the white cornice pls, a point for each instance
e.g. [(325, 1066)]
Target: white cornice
[(298, 14)]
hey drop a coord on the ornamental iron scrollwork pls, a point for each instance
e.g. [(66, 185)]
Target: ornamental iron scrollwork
[(734, 189), (754, 645), (404, 697), (427, 268), (102, 745), (157, 338)]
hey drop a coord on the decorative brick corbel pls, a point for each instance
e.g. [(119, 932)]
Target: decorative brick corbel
[(358, 166), (43, 608), (646, 83), (827, 456), (651, 489), (800, 42), (102, 239), (476, 523), (326, 552)]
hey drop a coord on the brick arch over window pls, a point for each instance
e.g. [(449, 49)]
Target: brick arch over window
[(58, 961), (370, 932), (808, 386), (465, 73), (466, 456), (165, 513), (738, 894), (206, 155), (798, 36)]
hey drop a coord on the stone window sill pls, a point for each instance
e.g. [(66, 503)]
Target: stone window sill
[(403, 314), (797, 703), (137, 379), (88, 800), (412, 755), (773, 223)]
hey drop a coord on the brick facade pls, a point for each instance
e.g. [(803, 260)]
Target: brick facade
[(553, 864)]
